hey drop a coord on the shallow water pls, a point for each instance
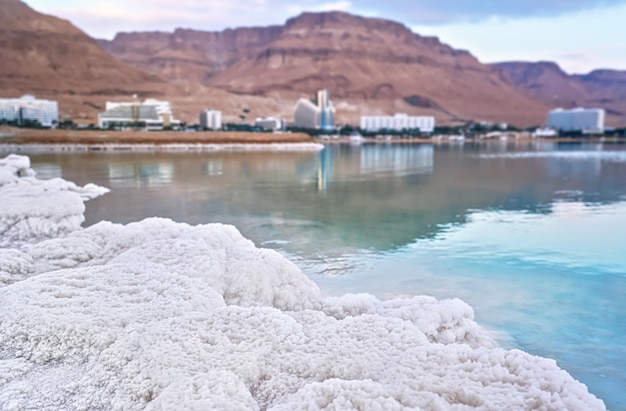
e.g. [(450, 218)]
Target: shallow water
[(531, 235)]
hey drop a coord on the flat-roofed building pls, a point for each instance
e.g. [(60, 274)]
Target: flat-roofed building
[(398, 122), (270, 123), (150, 115), (318, 113), (583, 120), (211, 119), (27, 110)]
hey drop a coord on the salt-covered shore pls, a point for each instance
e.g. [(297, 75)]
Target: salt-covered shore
[(163, 315)]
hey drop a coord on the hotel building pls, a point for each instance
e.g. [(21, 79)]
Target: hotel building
[(270, 124), (398, 122), (150, 115), (27, 109), (590, 120), (318, 113), (211, 119)]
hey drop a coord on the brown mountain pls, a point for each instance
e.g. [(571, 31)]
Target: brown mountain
[(42, 54), (49, 57), (546, 81), (188, 56), (369, 65)]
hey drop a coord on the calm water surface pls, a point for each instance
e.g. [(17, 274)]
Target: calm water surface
[(531, 235)]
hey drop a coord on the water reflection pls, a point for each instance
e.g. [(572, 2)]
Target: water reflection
[(351, 197), (528, 233), (399, 160), (136, 175), (46, 171)]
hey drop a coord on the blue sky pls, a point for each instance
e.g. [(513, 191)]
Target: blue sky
[(580, 35)]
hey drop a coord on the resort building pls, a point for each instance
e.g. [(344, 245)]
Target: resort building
[(211, 119), (318, 113), (150, 115), (270, 124), (581, 120), (27, 110), (398, 122)]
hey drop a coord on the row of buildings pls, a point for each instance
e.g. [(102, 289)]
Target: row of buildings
[(317, 113)]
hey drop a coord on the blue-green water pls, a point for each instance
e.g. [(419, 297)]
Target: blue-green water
[(532, 235)]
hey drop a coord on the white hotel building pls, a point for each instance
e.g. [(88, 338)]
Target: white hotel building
[(319, 114), (398, 122), (29, 109), (590, 120), (150, 115), (211, 119)]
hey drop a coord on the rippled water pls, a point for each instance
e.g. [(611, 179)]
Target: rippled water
[(531, 235)]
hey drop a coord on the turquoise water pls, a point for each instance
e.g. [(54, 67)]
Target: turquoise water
[(530, 235)]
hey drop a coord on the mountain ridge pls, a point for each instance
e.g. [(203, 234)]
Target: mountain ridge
[(377, 66), (600, 88), (371, 66)]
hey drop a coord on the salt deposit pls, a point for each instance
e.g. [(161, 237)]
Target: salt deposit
[(32, 209), (162, 315)]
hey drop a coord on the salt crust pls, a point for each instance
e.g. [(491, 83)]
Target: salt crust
[(162, 315), (32, 209)]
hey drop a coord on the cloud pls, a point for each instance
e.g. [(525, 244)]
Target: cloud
[(336, 6), (105, 17), (454, 11)]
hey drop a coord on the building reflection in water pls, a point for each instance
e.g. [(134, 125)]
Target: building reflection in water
[(213, 168), (397, 159), (138, 174), (373, 159)]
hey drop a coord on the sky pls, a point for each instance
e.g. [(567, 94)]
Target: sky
[(579, 35)]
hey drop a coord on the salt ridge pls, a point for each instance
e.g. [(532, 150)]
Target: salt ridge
[(163, 315)]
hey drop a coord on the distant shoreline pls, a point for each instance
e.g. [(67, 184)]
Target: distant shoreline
[(103, 137), (104, 140)]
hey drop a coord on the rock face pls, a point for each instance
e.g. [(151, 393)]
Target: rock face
[(188, 56), (377, 66), (46, 55), (370, 66), (547, 82)]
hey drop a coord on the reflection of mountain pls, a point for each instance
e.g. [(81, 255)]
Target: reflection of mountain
[(276, 197)]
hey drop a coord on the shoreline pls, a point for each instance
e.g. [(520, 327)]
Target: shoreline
[(104, 140), (102, 137), (114, 141), (115, 148)]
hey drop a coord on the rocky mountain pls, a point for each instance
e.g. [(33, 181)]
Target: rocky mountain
[(42, 54), (370, 66), (188, 56), (549, 83), (49, 57)]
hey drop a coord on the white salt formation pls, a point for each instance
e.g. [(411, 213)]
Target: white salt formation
[(160, 315), (32, 209)]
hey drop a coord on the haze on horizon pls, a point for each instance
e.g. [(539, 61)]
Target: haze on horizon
[(579, 35)]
